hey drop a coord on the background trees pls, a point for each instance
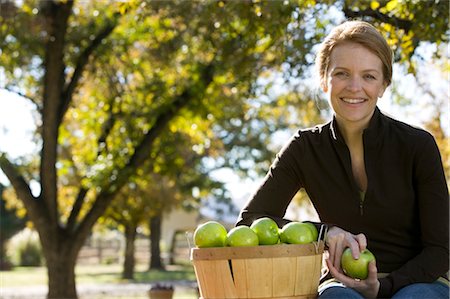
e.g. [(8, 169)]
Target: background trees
[(107, 81), (10, 224), (115, 87)]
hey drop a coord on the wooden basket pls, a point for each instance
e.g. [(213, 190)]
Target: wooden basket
[(271, 271)]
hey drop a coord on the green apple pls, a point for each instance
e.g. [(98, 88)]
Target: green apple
[(296, 233), (242, 236), (210, 234), (313, 229), (267, 231), (356, 268)]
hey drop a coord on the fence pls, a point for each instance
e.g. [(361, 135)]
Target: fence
[(111, 250)]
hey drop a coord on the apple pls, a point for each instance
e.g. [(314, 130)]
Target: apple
[(267, 231), (296, 233), (210, 234), (242, 236), (356, 268), (313, 229)]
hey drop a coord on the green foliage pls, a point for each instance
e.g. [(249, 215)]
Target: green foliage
[(24, 249), (10, 224), (406, 24)]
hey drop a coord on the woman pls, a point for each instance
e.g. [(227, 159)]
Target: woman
[(377, 182)]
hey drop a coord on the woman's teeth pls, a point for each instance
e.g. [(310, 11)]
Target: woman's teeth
[(352, 101)]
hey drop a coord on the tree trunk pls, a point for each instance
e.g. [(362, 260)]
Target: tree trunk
[(172, 248), (129, 261), (155, 237), (61, 259)]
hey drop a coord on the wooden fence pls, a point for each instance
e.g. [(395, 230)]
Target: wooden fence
[(111, 251)]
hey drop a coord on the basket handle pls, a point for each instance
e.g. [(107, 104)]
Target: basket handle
[(322, 235), (189, 237)]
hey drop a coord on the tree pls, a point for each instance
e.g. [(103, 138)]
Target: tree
[(130, 209), (143, 64), (405, 23)]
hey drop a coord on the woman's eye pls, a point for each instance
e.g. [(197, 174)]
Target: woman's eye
[(370, 77), (341, 74)]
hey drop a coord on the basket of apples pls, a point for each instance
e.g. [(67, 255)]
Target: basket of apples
[(260, 261)]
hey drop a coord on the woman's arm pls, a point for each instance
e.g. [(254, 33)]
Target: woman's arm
[(279, 186), (433, 209)]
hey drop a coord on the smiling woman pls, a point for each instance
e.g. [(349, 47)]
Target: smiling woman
[(362, 166)]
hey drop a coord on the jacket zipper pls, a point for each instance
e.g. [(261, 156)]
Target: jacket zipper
[(361, 207), (362, 196)]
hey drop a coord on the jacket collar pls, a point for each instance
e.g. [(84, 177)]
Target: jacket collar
[(371, 134)]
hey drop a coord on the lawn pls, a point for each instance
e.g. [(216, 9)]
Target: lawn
[(95, 274), (102, 275)]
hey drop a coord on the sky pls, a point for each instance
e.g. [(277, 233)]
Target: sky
[(16, 124), (16, 127)]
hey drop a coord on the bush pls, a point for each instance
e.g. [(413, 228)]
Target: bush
[(30, 254), (24, 249)]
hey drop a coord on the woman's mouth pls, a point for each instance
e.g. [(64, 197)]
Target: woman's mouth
[(353, 100)]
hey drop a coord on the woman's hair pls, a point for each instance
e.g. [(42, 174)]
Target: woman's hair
[(359, 32)]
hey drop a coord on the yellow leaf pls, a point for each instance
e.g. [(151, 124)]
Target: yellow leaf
[(391, 5), (374, 4)]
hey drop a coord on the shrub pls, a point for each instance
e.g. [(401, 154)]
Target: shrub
[(24, 249)]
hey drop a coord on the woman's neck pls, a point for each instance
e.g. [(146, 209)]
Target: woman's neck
[(351, 132)]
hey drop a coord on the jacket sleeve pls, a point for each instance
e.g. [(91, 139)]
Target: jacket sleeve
[(433, 209), (277, 189)]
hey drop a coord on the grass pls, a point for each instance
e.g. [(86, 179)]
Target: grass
[(95, 274), (23, 277)]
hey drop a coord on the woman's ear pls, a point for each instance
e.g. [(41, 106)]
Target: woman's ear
[(382, 90), (324, 85)]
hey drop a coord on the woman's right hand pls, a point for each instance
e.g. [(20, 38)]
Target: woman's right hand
[(338, 239)]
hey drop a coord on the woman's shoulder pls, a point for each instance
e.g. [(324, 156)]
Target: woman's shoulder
[(316, 132), (406, 130), (409, 135), (305, 139)]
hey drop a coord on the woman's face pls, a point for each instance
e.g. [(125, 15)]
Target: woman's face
[(354, 83)]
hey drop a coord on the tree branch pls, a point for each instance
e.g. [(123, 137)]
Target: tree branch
[(76, 208), (23, 190), (57, 14), (83, 59), (141, 152), (22, 95), (376, 14), (108, 125)]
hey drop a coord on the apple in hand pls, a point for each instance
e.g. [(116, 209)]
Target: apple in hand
[(356, 268)]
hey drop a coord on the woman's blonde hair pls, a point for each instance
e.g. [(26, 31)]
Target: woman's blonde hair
[(359, 32)]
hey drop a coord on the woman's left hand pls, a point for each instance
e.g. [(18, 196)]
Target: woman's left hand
[(368, 287)]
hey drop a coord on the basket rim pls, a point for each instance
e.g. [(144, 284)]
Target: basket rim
[(261, 251)]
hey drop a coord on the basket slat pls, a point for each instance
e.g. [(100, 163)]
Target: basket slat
[(284, 276), (240, 277), (215, 279), (259, 279), (305, 267)]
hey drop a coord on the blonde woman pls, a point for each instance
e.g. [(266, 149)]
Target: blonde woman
[(377, 182)]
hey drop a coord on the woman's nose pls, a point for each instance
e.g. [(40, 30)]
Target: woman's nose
[(354, 84)]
